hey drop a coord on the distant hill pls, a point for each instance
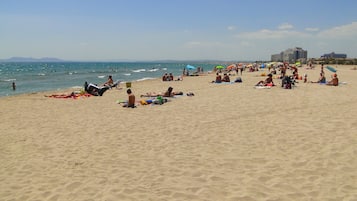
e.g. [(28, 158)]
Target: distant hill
[(30, 59)]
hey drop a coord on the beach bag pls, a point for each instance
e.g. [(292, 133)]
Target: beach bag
[(238, 79)]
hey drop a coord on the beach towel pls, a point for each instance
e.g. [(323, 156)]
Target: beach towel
[(73, 95), (262, 87)]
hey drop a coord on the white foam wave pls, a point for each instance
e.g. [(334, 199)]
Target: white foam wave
[(145, 78), (127, 74), (9, 80), (77, 87), (101, 76), (139, 70), (153, 70)]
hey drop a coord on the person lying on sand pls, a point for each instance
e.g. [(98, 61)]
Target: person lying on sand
[(73, 95), (168, 93)]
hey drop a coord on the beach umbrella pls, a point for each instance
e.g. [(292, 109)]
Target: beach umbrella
[(232, 66), (332, 69), (189, 67), (219, 67)]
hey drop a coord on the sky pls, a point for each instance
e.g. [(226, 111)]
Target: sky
[(114, 30)]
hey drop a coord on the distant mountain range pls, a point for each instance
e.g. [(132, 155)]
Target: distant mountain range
[(30, 59)]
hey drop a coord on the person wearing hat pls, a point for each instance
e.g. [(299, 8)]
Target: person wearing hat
[(333, 81), (266, 82)]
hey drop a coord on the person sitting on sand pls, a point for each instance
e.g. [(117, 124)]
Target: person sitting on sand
[(266, 82), (165, 77), (131, 99), (168, 93), (218, 78), (226, 78), (322, 79), (171, 77), (334, 81)]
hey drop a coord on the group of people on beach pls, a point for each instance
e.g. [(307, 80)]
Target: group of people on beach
[(96, 90), (170, 77), (219, 78), (158, 98), (322, 79), (288, 80)]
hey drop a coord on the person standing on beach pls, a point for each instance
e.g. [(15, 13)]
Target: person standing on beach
[(13, 86), (322, 69)]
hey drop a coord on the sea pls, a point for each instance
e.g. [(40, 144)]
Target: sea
[(33, 77)]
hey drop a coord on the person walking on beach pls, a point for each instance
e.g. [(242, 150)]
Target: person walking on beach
[(13, 86)]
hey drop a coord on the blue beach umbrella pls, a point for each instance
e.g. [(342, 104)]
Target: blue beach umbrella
[(189, 67), (332, 69)]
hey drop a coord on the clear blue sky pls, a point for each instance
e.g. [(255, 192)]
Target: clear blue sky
[(100, 30)]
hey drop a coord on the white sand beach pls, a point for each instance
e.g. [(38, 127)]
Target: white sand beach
[(227, 142)]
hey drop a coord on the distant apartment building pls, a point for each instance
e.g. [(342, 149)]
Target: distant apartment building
[(333, 55), (291, 55)]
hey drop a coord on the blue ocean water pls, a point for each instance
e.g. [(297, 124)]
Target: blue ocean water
[(35, 77)]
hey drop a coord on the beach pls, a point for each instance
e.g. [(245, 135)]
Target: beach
[(227, 142)]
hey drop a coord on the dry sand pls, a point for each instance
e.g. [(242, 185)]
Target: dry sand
[(228, 142)]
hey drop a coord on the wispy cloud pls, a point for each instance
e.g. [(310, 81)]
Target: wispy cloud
[(203, 44), (285, 26), (348, 31), (231, 28), (344, 31), (310, 29), (271, 34)]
